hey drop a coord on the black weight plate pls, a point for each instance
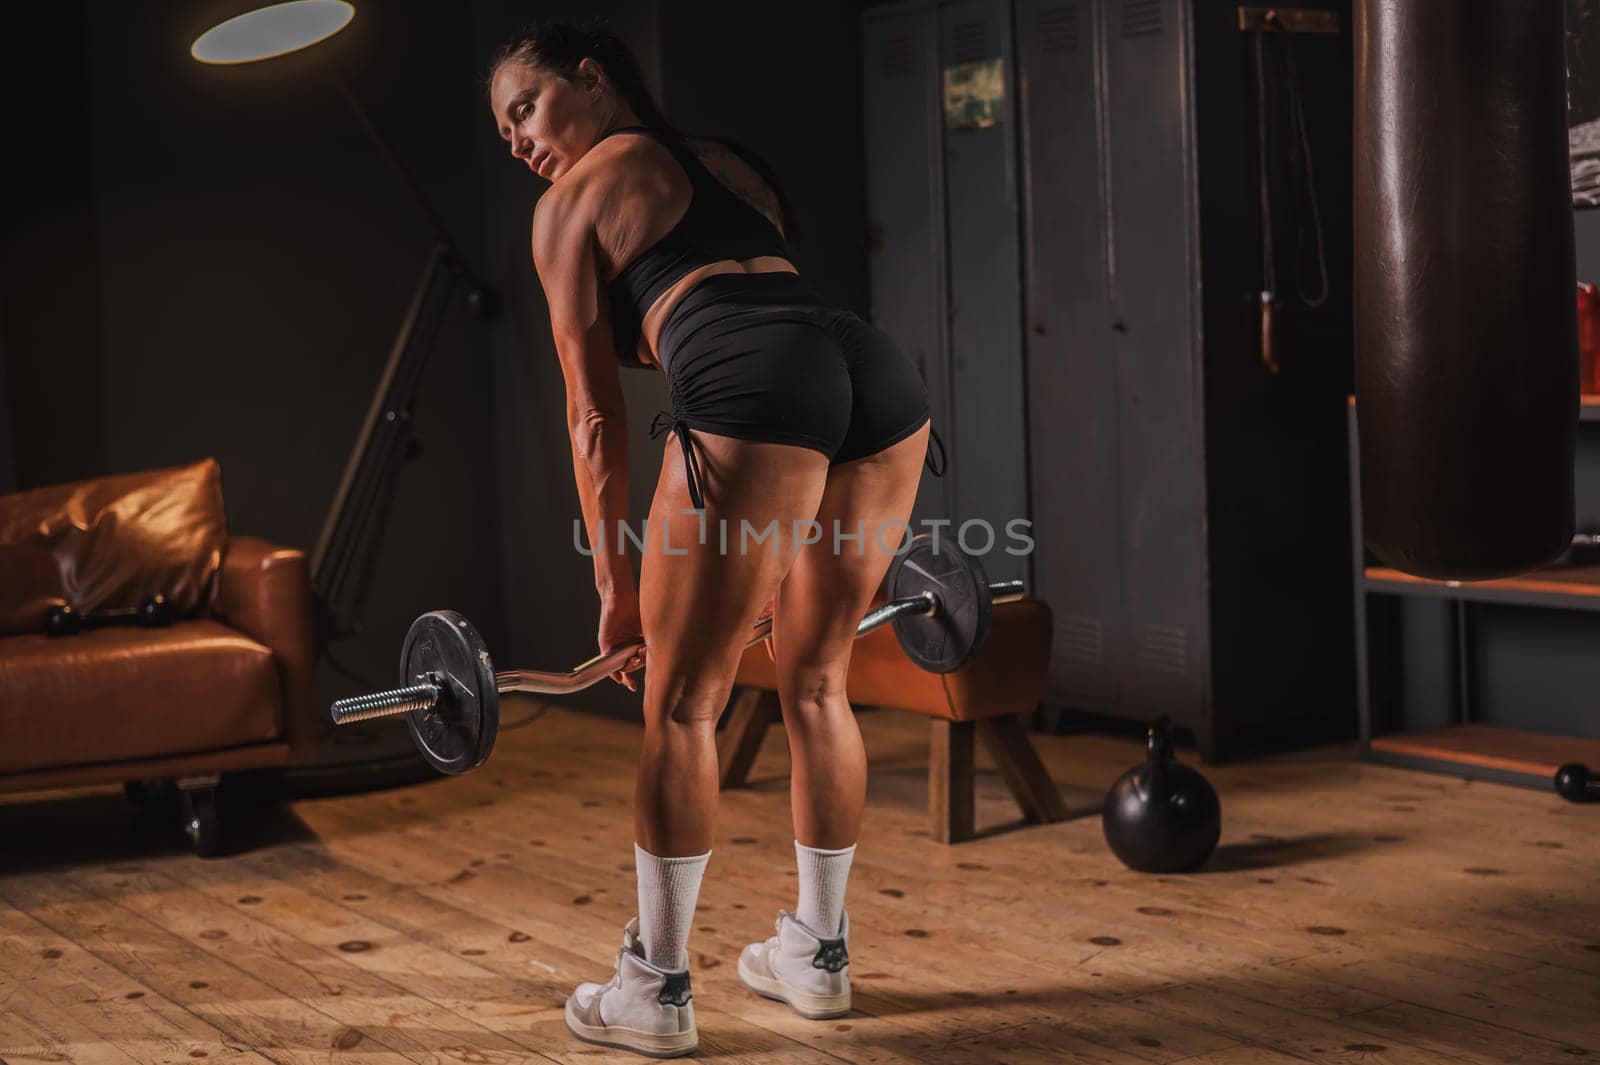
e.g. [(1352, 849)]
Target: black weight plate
[(458, 732), (943, 641)]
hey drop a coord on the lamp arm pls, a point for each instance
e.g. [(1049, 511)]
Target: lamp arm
[(441, 234)]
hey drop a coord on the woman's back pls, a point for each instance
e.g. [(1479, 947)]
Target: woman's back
[(666, 214)]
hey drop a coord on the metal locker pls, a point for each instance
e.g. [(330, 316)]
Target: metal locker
[(988, 461), (945, 269), (1153, 279), (905, 194), (1075, 488)]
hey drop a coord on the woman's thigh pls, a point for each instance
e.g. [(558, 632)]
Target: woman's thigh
[(830, 587), (705, 576)]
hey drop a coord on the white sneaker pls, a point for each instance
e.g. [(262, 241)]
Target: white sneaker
[(808, 971), (644, 1008)]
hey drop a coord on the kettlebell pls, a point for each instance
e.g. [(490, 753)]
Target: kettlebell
[(1162, 816)]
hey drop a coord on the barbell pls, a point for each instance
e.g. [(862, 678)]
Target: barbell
[(938, 602)]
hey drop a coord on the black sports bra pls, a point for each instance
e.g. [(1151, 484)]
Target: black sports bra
[(716, 226)]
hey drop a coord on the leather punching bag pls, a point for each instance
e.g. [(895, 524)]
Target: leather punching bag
[(1465, 321)]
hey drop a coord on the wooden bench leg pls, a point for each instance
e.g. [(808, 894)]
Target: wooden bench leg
[(951, 780), (754, 711), (1006, 740)]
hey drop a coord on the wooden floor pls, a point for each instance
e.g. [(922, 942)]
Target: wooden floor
[(1354, 913)]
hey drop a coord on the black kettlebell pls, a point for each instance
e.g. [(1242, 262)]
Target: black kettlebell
[(1162, 816), (1575, 783)]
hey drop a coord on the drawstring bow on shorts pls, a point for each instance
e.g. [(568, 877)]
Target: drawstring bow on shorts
[(935, 468), (669, 421)]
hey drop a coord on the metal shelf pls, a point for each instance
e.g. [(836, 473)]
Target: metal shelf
[(1566, 588), (1468, 749), (1512, 756)]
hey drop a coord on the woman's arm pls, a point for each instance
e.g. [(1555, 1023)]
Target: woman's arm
[(567, 258)]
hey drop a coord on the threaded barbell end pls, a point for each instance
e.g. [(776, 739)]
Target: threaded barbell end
[(391, 703)]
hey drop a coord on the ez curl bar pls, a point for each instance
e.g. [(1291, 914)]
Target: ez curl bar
[(939, 603)]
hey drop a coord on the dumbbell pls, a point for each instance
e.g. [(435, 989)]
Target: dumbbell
[(939, 604), (1576, 783), (154, 613)]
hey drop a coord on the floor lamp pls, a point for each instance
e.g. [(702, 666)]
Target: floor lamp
[(346, 552), (344, 559)]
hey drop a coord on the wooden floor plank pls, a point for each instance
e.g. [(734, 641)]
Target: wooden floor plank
[(1469, 1040), (39, 1028), (520, 898), (1309, 1038), (513, 997), (1558, 984), (447, 832), (450, 828), (442, 923), (1244, 1054), (1471, 999), (1353, 912), (1042, 989), (462, 862), (330, 980), (142, 1023), (1125, 960), (286, 1029)]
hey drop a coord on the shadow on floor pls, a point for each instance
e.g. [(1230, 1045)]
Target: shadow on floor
[(55, 833), (1273, 852)]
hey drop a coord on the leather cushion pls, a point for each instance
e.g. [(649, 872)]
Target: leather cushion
[(121, 694), (111, 542), (1006, 676)]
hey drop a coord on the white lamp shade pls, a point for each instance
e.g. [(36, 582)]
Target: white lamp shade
[(274, 30)]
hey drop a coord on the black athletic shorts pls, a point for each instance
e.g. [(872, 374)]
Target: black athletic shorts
[(765, 357)]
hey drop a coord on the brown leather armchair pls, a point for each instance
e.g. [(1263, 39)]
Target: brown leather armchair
[(228, 686)]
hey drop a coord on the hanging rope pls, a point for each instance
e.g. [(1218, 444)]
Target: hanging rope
[(1304, 167)]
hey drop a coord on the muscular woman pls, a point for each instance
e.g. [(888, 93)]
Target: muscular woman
[(655, 251)]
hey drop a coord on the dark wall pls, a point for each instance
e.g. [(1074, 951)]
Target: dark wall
[(551, 609), (49, 295), (206, 261), (790, 90), (213, 261)]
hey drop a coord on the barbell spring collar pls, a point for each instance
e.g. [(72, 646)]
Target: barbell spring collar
[(390, 703)]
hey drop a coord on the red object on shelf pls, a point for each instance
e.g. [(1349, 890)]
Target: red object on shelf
[(1588, 338)]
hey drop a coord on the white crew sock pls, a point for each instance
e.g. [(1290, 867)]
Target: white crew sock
[(822, 879), (668, 890)]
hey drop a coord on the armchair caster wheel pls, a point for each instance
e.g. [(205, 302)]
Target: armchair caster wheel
[(143, 794), (199, 812)]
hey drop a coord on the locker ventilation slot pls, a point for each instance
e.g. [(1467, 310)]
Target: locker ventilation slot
[(968, 41), (1141, 18), (1058, 28), (895, 57), (1082, 641), (1163, 649)]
